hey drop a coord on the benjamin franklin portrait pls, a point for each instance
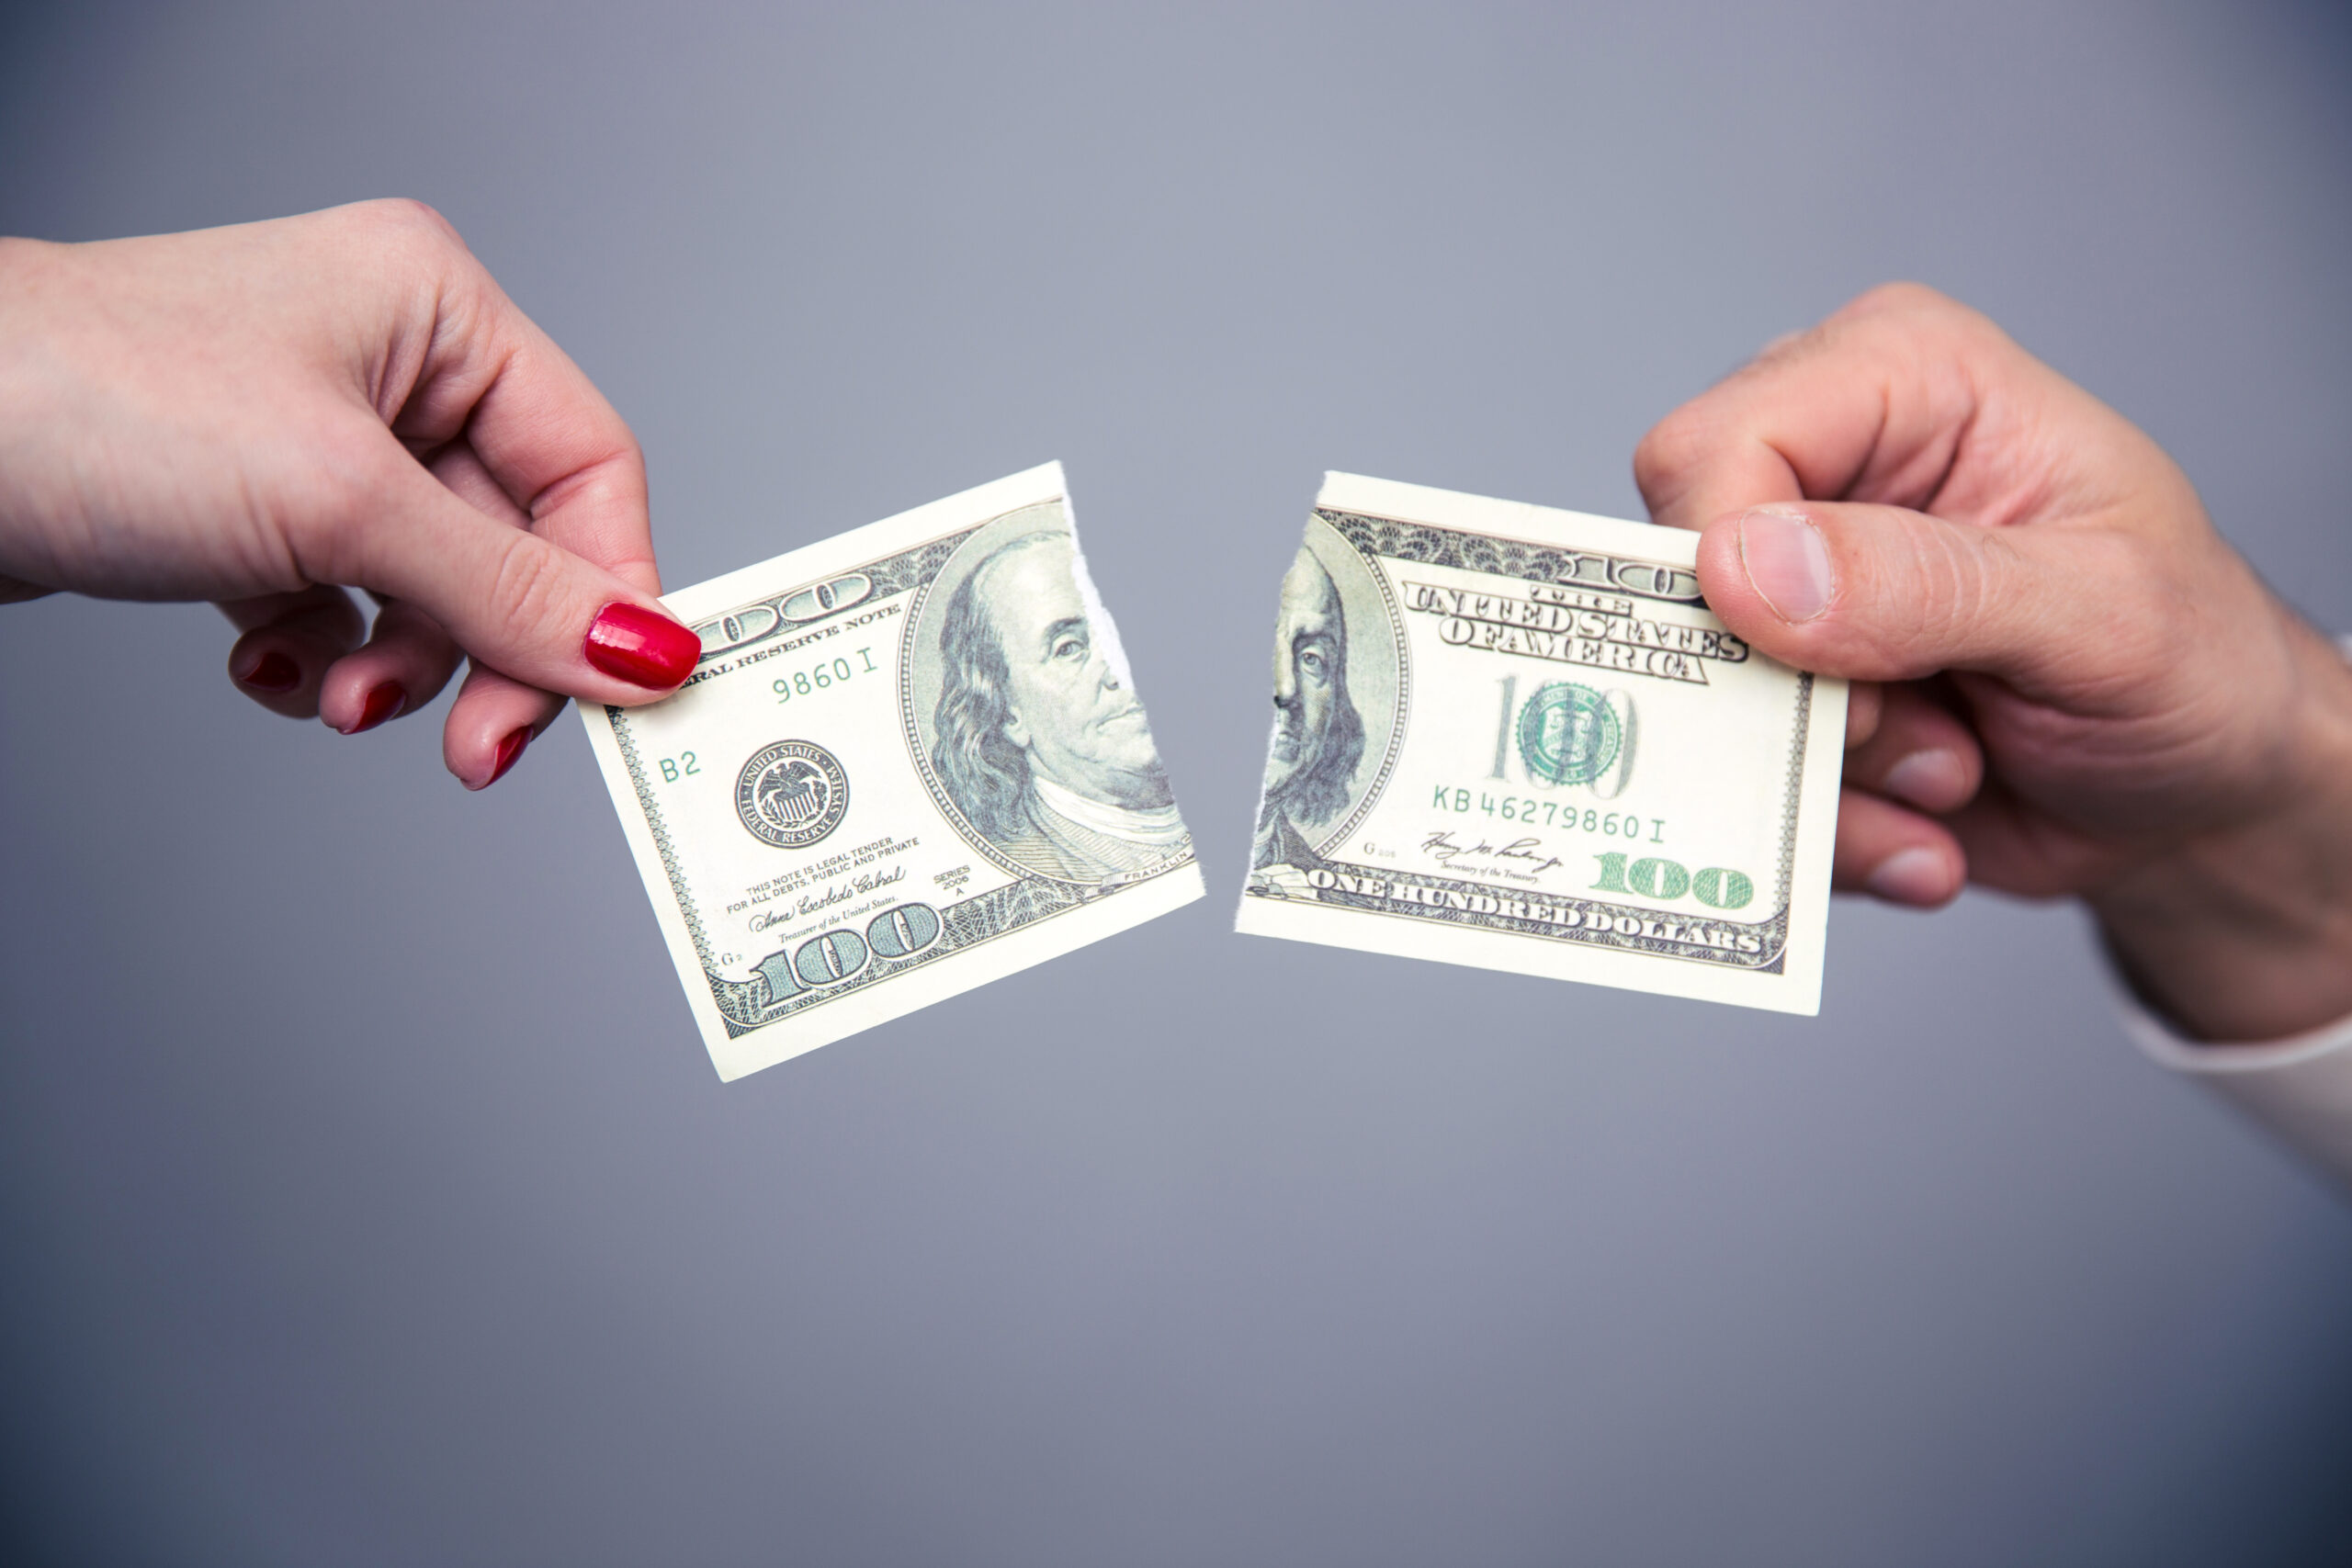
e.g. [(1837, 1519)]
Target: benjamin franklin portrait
[(1041, 746), (1318, 738)]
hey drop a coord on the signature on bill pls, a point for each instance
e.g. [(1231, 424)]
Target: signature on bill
[(1525, 856)]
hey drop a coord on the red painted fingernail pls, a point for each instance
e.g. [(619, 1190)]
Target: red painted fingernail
[(639, 646), (276, 672), (508, 750), (382, 702)]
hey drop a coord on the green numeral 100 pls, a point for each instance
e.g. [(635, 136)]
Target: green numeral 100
[(1665, 879), (834, 956)]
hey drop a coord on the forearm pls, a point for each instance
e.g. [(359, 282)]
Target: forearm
[(2247, 935)]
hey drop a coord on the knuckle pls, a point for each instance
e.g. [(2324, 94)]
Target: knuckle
[(1900, 298), (404, 219), (1671, 448), (1953, 606), (1938, 596), (526, 588), (620, 473), (408, 245), (1787, 348), (1914, 318)]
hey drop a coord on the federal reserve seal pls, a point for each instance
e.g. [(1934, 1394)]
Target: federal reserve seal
[(791, 794), (1569, 734)]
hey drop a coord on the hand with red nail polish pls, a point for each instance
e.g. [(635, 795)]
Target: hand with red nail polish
[(385, 700), (2068, 683), (273, 673), (640, 647), (426, 442), (509, 750)]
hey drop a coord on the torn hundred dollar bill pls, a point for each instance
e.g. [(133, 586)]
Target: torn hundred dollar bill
[(1513, 737), (911, 761)]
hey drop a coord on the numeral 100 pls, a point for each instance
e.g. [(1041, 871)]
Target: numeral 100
[(830, 957), (1665, 879)]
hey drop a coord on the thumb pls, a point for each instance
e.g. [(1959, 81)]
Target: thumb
[(515, 601), (1873, 592)]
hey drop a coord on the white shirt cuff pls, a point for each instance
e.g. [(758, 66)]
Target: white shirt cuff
[(2301, 1088), (2157, 1038)]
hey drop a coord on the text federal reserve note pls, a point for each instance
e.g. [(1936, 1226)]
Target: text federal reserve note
[(911, 761), (1512, 737)]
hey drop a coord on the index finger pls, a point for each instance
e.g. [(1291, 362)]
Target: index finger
[(557, 448), (1873, 404)]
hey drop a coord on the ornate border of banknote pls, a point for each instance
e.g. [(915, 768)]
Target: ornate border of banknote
[(1042, 885), (1313, 880), (1421, 542)]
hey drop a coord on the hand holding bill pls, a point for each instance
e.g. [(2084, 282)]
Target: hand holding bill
[(2084, 690), (269, 414)]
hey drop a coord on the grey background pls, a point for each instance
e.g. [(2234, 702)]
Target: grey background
[(366, 1196)]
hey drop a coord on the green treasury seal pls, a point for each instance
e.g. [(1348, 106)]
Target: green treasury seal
[(1569, 734)]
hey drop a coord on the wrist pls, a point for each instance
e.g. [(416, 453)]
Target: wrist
[(37, 402), (16, 256), (2244, 933)]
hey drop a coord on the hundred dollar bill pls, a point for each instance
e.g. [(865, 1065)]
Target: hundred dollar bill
[(911, 761), (1515, 738)]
